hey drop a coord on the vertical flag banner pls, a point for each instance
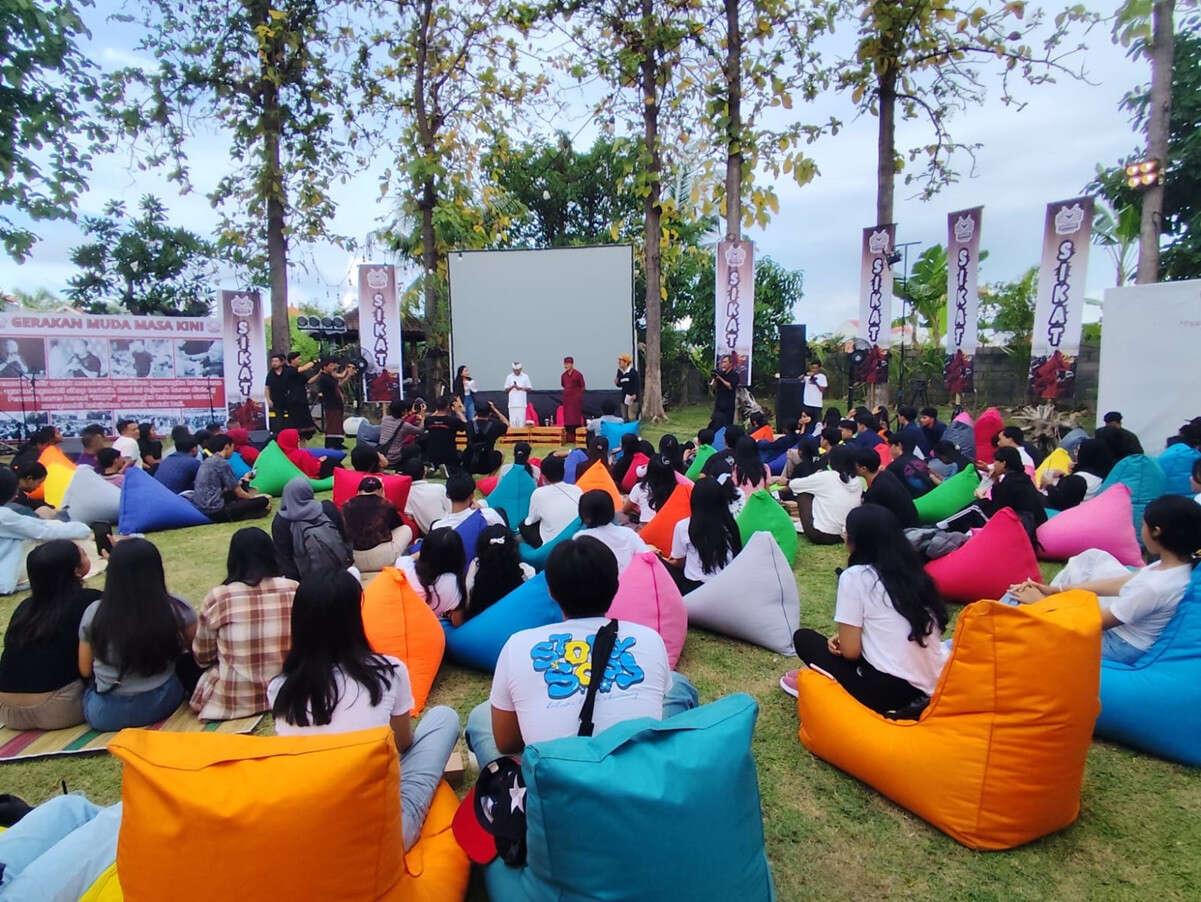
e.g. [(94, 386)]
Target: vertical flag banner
[(379, 330), (734, 318), (245, 358), (1055, 342), (963, 299), (875, 303)]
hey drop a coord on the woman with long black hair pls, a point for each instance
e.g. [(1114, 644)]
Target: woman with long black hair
[(704, 542), (436, 572), (652, 490), (671, 449), (1094, 460), (40, 688), (333, 683), (131, 641), (750, 472), (496, 570), (465, 388), (888, 651)]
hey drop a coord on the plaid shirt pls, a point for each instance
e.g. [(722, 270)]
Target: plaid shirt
[(247, 631)]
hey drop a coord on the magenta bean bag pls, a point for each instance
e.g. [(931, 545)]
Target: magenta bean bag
[(987, 564), (648, 595), (1105, 522), (990, 423)]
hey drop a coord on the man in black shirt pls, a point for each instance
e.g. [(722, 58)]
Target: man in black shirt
[(279, 394), (329, 382), (299, 415), (725, 388), (627, 382), (441, 429), (883, 487)]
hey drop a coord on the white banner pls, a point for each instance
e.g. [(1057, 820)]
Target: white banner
[(1055, 342), (875, 302), (245, 358), (379, 330), (963, 298), (734, 316)]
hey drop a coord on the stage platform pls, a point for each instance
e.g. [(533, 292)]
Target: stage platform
[(538, 435)]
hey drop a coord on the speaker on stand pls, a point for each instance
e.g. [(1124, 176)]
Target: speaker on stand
[(790, 390)]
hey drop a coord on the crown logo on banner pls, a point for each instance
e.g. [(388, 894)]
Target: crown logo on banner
[(241, 305), (1069, 219), (377, 278), (735, 255), (877, 242), (965, 228)]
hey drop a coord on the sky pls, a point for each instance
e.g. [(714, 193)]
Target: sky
[(1044, 152)]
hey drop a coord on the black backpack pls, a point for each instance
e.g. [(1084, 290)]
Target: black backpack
[(318, 546)]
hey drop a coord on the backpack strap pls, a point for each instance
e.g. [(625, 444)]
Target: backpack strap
[(602, 650)]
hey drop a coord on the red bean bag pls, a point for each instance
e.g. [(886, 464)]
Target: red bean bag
[(648, 595), (990, 423), (627, 482), (487, 484), (346, 486), (658, 532), (1105, 521), (991, 561)]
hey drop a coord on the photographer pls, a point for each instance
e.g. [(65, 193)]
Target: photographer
[(816, 384), (328, 383), (402, 425), (725, 388)]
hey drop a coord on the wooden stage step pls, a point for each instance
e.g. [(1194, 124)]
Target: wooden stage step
[(537, 435)]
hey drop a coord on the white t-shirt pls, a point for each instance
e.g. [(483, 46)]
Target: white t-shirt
[(682, 547), (427, 502), (833, 499), (452, 520), (542, 674), (640, 496), (522, 381), (537, 474), (553, 507), (863, 602), (444, 594), (815, 393), (1147, 602), (354, 710), (1092, 484), (129, 448), (527, 573), (621, 540)]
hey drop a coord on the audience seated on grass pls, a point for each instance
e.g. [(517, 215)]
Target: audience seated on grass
[(884, 487), (17, 531), (997, 556), (427, 500), (536, 557), (346, 485), (1121, 442), (437, 571), (949, 498), (997, 758), (374, 528), (704, 542), (749, 473), (646, 594), (495, 570), (460, 491), (399, 623), (135, 643), (825, 498), (1102, 523), (477, 643), (309, 535), (218, 494), (652, 492), (309, 464), (596, 516), (911, 470), (554, 505), (109, 464), (89, 499), (30, 478), (242, 447), (40, 687), (178, 469), (1066, 487), (243, 630), (537, 693)]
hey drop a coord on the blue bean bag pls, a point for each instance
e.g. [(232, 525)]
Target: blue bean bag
[(647, 809), (512, 496), (572, 463), (536, 557), (239, 466), (614, 431), (469, 531), (777, 464), (1176, 462), (1143, 476), (147, 505), (963, 437), (1154, 704), (719, 439), (332, 453), (477, 643)]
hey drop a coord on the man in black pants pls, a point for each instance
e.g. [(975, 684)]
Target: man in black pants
[(725, 389), (218, 494)]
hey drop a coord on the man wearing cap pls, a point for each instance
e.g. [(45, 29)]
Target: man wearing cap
[(517, 383), (627, 381), (1120, 441), (572, 381)]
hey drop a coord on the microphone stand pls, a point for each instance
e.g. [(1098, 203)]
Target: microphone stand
[(208, 385)]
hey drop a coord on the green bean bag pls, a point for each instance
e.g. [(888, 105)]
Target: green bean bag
[(536, 557), (273, 471), (952, 496), (703, 453), (512, 495), (762, 513)]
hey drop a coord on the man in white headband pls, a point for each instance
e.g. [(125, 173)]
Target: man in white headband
[(516, 385)]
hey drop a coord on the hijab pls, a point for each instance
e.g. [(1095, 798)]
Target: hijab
[(298, 501), (289, 443)]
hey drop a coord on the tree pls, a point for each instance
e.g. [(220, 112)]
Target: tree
[(142, 265), (926, 291), (1118, 232), (263, 72), (1007, 308), (42, 299), (923, 59), (47, 130)]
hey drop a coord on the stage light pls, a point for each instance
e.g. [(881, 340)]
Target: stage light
[(1143, 174)]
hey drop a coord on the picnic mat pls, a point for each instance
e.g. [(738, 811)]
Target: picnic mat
[(24, 744)]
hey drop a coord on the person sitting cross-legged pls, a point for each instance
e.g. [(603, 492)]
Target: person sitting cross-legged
[(374, 527), (540, 681), (218, 493)]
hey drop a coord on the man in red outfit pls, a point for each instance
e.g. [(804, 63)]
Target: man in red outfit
[(572, 381)]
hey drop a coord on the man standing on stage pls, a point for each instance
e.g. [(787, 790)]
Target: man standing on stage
[(329, 382), (627, 381), (814, 393), (300, 417), (279, 396), (725, 389), (572, 381), (517, 384)]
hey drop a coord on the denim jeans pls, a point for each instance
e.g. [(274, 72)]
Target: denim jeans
[(421, 767), (109, 711), (64, 829), (1114, 648), (680, 697)]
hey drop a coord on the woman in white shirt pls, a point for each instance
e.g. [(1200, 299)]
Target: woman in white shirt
[(1094, 460), (465, 389), (651, 491), (554, 505), (887, 652), (826, 498), (436, 571), (704, 543), (333, 683), (596, 514)]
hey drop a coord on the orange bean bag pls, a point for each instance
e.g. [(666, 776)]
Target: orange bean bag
[(399, 623), (658, 532), (282, 817), (59, 470), (997, 758), (597, 477), (763, 434)]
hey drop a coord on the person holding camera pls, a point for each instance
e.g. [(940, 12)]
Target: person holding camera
[(725, 389), (814, 394), (328, 383)]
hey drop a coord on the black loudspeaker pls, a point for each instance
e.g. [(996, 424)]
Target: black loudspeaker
[(792, 351), (789, 394)]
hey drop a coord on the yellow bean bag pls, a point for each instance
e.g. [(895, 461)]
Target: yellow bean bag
[(997, 758), (257, 819), (1059, 459), (399, 623), (59, 470)]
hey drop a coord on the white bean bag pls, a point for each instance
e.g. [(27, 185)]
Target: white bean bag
[(754, 598), (91, 498)]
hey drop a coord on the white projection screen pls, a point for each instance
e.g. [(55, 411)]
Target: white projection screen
[(539, 306), (1149, 340)]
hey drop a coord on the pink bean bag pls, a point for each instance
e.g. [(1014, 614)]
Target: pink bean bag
[(648, 595), (963, 417), (990, 423), (346, 486), (991, 561), (1105, 521)]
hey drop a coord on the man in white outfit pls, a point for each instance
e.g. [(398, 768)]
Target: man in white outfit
[(516, 385)]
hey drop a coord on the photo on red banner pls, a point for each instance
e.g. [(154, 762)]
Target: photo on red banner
[(22, 357), (77, 358), (141, 358), (73, 422), (199, 359)]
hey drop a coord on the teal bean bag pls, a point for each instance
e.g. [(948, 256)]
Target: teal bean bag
[(536, 557), (273, 471), (239, 466), (703, 453), (1176, 462), (1144, 478), (512, 496), (647, 809), (762, 513), (614, 431), (148, 506), (950, 497), (477, 643)]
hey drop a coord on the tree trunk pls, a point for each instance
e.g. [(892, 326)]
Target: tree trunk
[(886, 145), (734, 128), (273, 180), (429, 266), (1160, 50), (652, 387)]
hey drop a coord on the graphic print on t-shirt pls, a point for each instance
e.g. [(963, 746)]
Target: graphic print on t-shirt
[(566, 664)]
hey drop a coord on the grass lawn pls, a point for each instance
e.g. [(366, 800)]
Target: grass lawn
[(1138, 834)]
